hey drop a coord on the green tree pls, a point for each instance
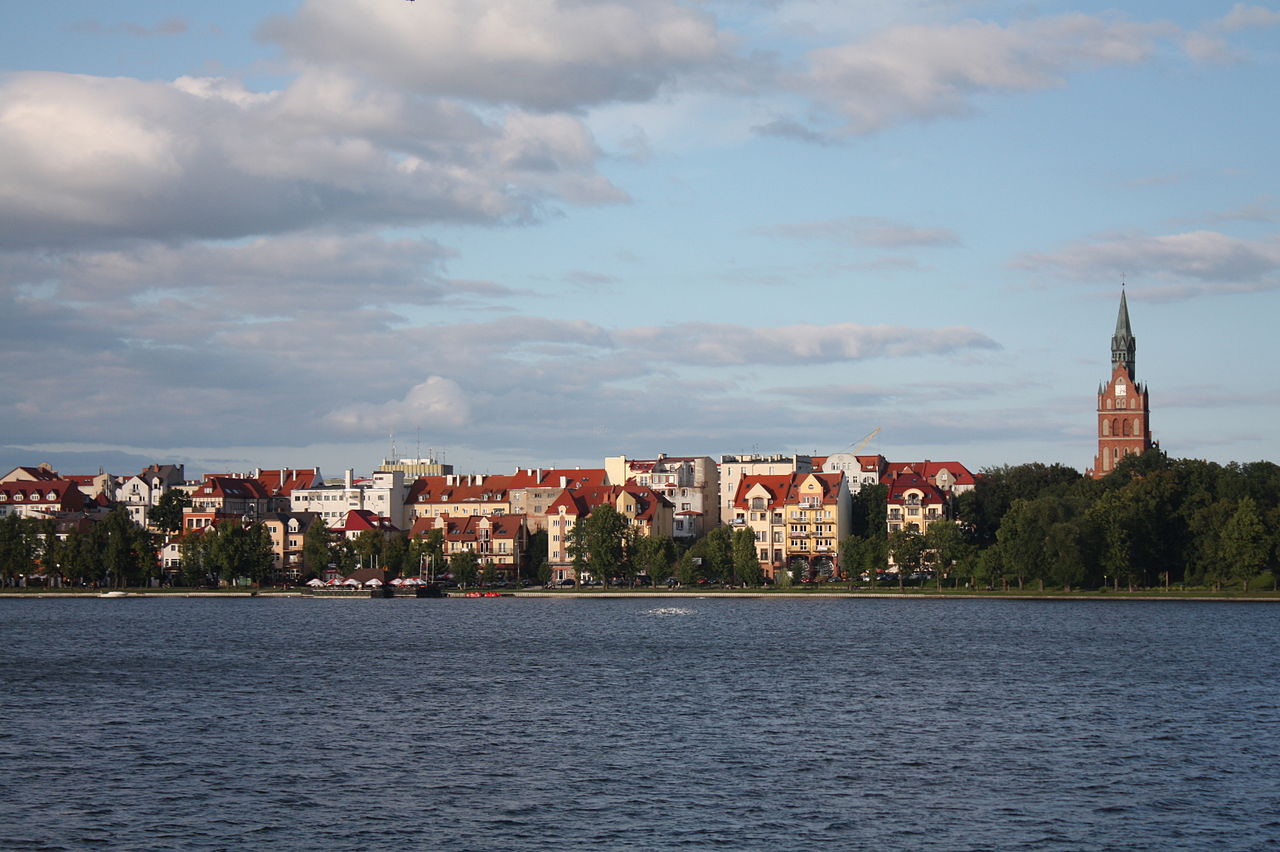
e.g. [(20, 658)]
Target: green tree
[(746, 561), (17, 548), (368, 546), (655, 557), (316, 545), (907, 547), (395, 556), (945, 544), (196, 568), (464, 565), (1243, 544), (597, 543), (166, 515), (124, 549), (718, 555)]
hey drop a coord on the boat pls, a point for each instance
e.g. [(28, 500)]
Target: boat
[(116, 594)]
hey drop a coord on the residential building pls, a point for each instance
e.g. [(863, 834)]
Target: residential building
[(734, 468), (230, 496), (499, 541), (798, 520), (287, 530), (533, 490), (646, 512), (140, 492), (455, 496), (382, 494), (690, 483), (914, 503), (41, 498)]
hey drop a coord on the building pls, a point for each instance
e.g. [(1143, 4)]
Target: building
[(798, 520), (498, 541), (139, 493), (383, 494), (647, 512), (412, 468), (533, 490), (41, 498), (690, 483), (455, 496), (914, 503), (1124, 408), (734, 468)]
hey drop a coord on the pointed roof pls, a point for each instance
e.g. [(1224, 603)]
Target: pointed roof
[(1122, 318)]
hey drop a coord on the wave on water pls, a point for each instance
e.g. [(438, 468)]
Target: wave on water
[(670, 611)]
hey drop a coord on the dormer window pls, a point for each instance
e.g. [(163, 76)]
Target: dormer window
[(3, 497), (18, 496), (52, 495)]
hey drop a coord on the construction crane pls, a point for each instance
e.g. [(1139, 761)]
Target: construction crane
[(858, 445)]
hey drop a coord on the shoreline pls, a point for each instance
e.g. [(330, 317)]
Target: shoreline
[(1250, 597)]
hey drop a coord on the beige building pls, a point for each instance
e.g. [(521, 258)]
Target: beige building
[(798, 519)]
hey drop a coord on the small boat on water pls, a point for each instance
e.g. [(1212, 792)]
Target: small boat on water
[(116, 593)]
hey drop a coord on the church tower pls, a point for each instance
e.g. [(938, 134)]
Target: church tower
[(1123, 408)]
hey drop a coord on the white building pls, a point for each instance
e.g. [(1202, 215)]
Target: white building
[(382, 494)]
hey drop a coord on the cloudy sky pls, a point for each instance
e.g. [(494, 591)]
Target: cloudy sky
[(530, 232)]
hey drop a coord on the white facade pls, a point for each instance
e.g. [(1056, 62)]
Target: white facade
[(383, 494)]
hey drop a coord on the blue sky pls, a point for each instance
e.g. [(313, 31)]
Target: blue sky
[(534, 232)]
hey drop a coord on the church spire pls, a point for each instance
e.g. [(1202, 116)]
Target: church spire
[(1123, 343)]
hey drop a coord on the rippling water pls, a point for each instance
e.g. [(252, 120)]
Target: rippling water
[(521, 724)]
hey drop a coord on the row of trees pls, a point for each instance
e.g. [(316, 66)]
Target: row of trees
[(114, 552), (1153, 521)]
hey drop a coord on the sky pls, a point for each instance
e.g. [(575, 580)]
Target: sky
[(523, 233)]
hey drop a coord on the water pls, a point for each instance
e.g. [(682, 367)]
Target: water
[(522, 724)]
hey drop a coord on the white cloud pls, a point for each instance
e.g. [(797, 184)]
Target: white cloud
[(540, 54), (90, 158), (914, 72), (871, 231), (1248, 16), (437, 403), (1180, 265)]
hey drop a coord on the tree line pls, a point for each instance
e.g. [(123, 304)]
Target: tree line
[(1152, 522)]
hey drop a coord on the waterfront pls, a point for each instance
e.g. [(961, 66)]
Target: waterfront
[(520, 723)]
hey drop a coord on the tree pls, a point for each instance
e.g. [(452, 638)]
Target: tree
[(166, 515), (746, 562), (124, 549), (907, 547), (596, 543), (945, 543), (1243, 544), (315, 546), (718, 555), (464, 565), (368, 546), (655, 556), (395, 555), (17, 548)]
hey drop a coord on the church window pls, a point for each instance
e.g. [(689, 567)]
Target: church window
[(1106, 428), (1115, 426), (1128, 430)]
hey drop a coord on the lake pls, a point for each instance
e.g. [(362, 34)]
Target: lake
[(620, 724)]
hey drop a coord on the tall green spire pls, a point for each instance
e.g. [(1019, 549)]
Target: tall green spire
[(1123, 343)]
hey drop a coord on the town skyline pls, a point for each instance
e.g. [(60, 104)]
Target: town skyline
[(274, 234)]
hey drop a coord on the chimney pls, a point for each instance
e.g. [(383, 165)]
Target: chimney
[(347, 477)]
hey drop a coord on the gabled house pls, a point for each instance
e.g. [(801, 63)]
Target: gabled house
[(647, 512), (798, 520), (499, 541), (41, 498)]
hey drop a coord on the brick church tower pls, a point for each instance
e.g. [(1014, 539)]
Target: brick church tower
[(1124, 411)]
